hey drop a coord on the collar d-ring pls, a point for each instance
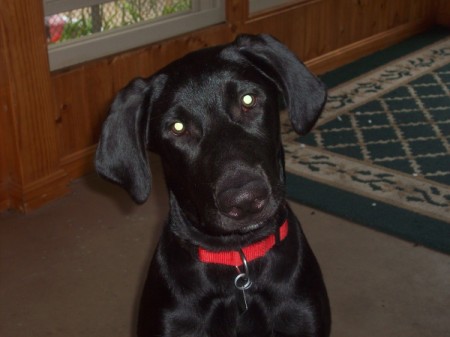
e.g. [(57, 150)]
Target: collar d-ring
[(243, 281)]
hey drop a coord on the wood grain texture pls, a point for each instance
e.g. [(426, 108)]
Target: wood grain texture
[(6, 138), (354, 51), (50, 122), (314, 28), (31, 114), (443, 13)]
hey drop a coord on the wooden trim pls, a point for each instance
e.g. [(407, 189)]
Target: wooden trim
[(28, 197), (278, 10), (7, 141), (354, 51), (79, 163), (5, 202), (35, 177)]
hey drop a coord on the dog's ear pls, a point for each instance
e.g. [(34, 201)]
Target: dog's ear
[(304, 93), (122, 150)]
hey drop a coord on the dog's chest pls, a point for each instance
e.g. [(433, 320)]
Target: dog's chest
[(228, 315), (221, 309)]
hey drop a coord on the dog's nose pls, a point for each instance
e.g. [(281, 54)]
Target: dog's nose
[(243, 201)]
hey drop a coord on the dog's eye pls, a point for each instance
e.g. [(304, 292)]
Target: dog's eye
[(178, 128), (248, 101)]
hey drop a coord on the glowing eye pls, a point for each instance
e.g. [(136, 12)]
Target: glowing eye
[(178, 128), (248, 101)]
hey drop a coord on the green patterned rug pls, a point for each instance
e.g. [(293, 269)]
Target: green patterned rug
[(380, 153)]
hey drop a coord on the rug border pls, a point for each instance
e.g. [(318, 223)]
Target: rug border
[(382, 217)]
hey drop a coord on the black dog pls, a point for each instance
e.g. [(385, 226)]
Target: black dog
[(232, 260)]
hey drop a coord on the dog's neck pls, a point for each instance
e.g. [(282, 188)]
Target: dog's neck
[(191, 237)]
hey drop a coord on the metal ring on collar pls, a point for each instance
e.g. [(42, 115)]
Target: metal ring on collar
[(245, 276)]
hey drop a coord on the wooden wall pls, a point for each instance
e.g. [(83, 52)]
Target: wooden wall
[(50, 122), (443, 13)]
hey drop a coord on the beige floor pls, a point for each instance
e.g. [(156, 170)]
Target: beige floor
[(75, 267)]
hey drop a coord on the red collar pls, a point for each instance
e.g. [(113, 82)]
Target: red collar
[(251, 252)]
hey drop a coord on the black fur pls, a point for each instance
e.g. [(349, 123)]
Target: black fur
[(225, 175)]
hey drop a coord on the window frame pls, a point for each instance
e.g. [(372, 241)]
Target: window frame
[(256, 6), (61, 55)]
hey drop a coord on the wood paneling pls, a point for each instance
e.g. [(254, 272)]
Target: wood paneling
[(443, 13), (353, 51), (314, 28), (50, 122)]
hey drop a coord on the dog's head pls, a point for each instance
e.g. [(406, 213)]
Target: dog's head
[(213, 116)]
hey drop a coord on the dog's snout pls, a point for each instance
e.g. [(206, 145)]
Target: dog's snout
[(244, 200)]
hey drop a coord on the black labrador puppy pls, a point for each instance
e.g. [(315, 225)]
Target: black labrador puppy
[(232, 260)]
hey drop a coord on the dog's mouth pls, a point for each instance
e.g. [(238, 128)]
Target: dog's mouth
[(252, 228), (228, 225), (234, 235)]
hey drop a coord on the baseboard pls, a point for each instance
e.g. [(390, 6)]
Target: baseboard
[(4, 205), (79, 163), (4, 197), (54, 186), (36, 194), (354, 51)]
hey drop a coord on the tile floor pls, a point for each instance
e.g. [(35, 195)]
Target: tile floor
[(75, 267)]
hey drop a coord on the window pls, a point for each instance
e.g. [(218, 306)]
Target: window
[(82, 30)]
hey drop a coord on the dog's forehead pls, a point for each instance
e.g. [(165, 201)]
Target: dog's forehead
[(212, 70), (210, 80), (219, 62)]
